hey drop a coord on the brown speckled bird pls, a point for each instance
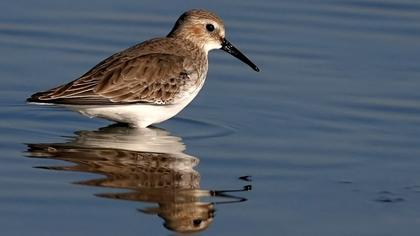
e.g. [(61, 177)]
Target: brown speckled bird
[(151, 81)]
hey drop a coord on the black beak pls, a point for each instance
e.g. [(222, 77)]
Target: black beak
[(229, 48)]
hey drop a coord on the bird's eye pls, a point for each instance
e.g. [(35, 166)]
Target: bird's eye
[(197, 222), (210, 27)]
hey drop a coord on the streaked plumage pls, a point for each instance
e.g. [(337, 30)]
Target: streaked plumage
[(151, 81)]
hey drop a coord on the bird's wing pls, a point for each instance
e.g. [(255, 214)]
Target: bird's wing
[(153, 78)]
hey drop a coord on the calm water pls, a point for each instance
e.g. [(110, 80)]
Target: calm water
[(329, 130)]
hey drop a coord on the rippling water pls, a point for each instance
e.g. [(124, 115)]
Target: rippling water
[(323, 141)]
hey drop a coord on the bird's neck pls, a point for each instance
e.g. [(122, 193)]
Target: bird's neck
[(192, 40)]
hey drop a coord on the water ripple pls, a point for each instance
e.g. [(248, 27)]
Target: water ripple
[(201, 129)]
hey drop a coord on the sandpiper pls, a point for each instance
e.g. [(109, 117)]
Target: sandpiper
[(149, 82)]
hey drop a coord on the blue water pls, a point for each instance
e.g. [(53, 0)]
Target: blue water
[(328, 130)]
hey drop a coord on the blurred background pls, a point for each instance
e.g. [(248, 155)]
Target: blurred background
[(328, 130)]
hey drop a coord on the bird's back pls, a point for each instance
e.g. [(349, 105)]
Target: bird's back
[(150, 72)]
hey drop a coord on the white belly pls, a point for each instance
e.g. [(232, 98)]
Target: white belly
[(137, 115)]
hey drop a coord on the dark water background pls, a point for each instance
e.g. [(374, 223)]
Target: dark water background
[(329, 130)]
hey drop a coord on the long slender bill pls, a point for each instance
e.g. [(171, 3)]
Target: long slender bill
[(229, 48)]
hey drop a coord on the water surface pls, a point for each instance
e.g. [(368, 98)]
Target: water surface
[(328, 130)]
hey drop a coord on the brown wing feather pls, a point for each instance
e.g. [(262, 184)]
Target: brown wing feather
[(152, 78)]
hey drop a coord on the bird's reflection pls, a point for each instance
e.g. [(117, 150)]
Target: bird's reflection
[(151, 164)]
